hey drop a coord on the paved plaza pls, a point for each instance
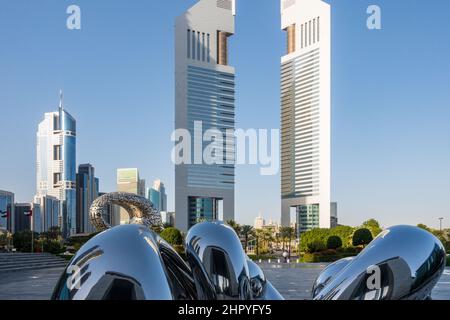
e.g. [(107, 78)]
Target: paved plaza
[(294, 281)]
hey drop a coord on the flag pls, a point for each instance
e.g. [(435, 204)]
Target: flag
[(5, 214)]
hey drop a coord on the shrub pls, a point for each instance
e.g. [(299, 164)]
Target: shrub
[(345, 233), (334, 242), (314, 235), (172, 236), (315, 246), (362, 237), (53, 246), (448, 261)]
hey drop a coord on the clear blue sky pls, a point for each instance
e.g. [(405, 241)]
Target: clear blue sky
[(390, 89)]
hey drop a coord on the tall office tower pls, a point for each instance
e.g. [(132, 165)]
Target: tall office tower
[(157, 195), (87, 192), (7, 211), (128, 181), (204, 99), (305, 113), (22, 217), (56, 167), (50, 211)]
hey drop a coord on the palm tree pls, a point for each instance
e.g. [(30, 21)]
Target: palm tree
[(246, 231), (236, 227)]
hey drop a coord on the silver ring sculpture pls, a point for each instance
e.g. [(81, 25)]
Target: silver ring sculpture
[(131, 262)]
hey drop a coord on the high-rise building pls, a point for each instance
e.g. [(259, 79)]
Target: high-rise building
[(128, 181), (204, 100), (157, 195), (56, 164), (259, 222), (22, 217), (7, 211), (87, 192), (305, 113), (49, 212)]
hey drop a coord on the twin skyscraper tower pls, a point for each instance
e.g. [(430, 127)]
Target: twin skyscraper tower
[(205, 93)]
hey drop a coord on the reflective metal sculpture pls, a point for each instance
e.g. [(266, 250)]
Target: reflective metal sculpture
[(141, 210), (215, 251), (133, 262), (128, 262), (403, 262)]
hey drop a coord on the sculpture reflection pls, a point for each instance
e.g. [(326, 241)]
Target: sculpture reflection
[(403, 262)]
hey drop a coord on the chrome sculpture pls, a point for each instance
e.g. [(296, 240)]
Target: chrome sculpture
[(403, 262), (140, 210), (133, 262), (214, 249), (126, 262)]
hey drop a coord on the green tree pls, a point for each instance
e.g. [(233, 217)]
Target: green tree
[(424, 227), (22, 240), (345, 233), (315, 246), (236, 227), (53, 233), (53, 246), (334, 242), (172, 236), (246, 232), (313, 235), (374, 227), (362, 237)]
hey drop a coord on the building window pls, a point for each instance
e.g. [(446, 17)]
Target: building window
[(193, 44), (56, 126), (314, 31), (318, 29), (189, 44), (203, 46), (198, 45), (302, 36), (208, 50), (309, 33), (57, 152), (56, 178)]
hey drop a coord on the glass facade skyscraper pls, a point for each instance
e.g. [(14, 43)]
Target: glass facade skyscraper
[(205, 100), (157, 195), (87, 192), (306, 113), (128, 181), (49, 210), (56, 164), (7, 211)]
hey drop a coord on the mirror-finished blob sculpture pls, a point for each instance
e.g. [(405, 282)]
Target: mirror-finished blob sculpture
[(132, 262), (127, 262), (215, 251), (403, 262)]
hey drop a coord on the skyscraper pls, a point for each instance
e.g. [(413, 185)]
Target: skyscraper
[(305, 113), (7, 211), (56, 164), (204, 99), (128, 181), (87, 192), (49, 210), (157, 195), (22, 217)]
